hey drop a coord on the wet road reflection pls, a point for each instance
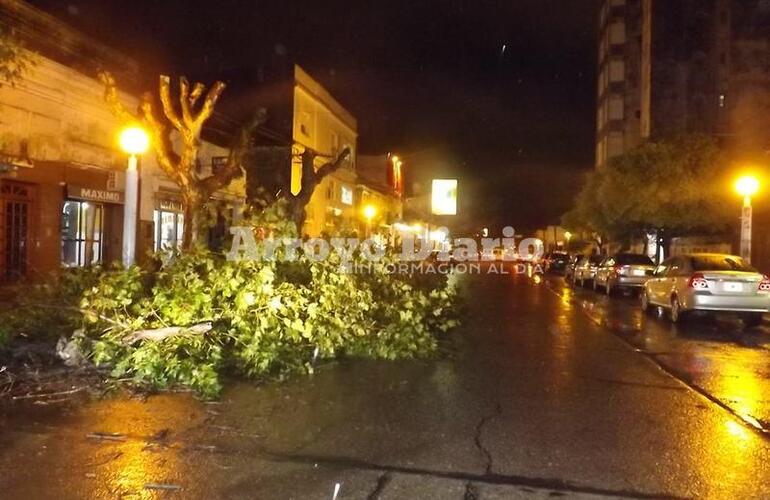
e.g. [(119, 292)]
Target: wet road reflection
[(533, 397), (713, 355)]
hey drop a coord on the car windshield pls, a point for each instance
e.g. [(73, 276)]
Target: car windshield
[(630, 259), (720, 263)]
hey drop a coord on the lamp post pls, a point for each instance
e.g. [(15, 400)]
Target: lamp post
[(567, 236), (134, 141), (369, 212), (747, 186)]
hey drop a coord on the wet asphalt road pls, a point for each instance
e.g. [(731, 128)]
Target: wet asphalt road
[(544, 391)]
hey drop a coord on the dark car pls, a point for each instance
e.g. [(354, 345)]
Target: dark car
[(556, 262), (569, 271)]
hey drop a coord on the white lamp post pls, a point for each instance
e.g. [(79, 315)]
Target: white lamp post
[(369, 212), (134, 141), (747, 186)]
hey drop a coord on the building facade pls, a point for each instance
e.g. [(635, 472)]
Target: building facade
[(61, 171), (669, 67), (379, 195)]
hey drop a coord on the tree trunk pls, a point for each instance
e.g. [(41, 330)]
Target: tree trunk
[(193, 218)]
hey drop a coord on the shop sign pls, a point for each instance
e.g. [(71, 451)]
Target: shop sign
[(170, 205), (94, 194)]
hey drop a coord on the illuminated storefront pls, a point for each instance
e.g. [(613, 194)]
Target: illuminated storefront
[(87, 215), (168, 218)]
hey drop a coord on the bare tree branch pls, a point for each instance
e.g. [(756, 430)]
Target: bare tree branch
[(196, 93), (113, 100), (168, 107), (188, 122), (208, 104), (241, 145)]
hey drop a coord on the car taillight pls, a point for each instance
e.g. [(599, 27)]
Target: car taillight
[(618, 270), (698, 282), (764, 285)]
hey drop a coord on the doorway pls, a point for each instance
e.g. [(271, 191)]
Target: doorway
[(15, 207)]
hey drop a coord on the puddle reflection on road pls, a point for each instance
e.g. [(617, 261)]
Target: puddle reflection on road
[(714, 356)]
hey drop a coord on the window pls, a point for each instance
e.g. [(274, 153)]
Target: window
[(346, 195), (675, 267), (633, 259), (169, 228), (720, 263), (335, 143), (617, 71), (82, 233)]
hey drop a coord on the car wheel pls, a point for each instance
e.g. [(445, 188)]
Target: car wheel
[(676, 313), (752, 320), (645, 301)]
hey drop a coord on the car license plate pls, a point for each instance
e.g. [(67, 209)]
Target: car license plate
[(639, 272), (732, 286)]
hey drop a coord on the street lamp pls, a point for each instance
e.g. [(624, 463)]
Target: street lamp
[(747, 186), (134, 141), (567, 236), (369, 212)]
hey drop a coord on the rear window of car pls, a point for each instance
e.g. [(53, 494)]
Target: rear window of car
[(560, 256), (596, 259), (720, 263), (630, 259)]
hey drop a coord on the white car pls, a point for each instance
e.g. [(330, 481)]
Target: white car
[(708, 283)]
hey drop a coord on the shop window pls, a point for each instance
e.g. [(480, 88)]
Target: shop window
[(169, 228), (347, 195), (82, 233)]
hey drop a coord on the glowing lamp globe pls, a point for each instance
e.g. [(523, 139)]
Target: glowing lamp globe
[(747, 186), (369, 211), (134, 140)]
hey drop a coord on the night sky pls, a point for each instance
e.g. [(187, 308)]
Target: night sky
[(505, 88)]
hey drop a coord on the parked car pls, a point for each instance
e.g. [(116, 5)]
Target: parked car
[(555, 262), (585, 269), (708, 283), (569, 271), (623, 270)]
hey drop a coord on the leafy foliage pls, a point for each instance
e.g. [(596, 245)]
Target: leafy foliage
[(268, 318), (43, 311), (676, 185)]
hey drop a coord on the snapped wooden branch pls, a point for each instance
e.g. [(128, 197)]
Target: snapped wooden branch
[(158, 334)]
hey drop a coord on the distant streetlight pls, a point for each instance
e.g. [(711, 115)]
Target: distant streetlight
[(369, 212), (134, 141), (567, 236), (747, 186)]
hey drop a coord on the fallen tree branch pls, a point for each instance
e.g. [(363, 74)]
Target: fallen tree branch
[(158, 334), (51, 394)]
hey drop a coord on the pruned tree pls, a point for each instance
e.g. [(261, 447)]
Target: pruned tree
[(186, 115), (269, 178)]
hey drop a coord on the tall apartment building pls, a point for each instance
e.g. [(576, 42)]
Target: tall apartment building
[(682, 66), (619, 93)]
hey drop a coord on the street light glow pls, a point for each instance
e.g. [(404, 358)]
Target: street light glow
[(747, 186), (134, 140), (369, 212)]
